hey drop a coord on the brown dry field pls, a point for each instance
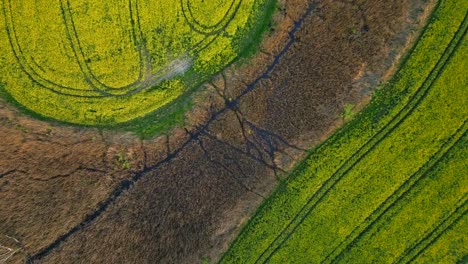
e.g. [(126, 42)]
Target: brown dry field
[(65, 198)]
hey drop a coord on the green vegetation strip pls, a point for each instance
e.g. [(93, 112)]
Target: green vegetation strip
[(350, 182), (103, 63)]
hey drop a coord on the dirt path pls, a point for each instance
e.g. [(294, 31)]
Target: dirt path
[(80, 195)]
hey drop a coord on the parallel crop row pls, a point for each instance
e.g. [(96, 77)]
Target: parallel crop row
[(320, 212), (382, 171), (363, 228), (432, 207), (364, 151)]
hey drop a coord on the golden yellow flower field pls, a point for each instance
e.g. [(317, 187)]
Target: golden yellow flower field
[(98, 63)]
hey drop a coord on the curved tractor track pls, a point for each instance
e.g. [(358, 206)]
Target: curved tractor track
[(263, 136), (215, 29), (109, 64), (146, 77), (190, 190)]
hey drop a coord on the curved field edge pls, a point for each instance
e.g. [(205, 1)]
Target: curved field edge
[(288, 199), (127, 184), (173, 114), (376, 213)]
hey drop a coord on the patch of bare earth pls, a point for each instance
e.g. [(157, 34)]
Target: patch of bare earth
[(71, 195)]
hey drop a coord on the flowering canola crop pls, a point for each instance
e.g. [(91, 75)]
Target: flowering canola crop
[(106, 62)]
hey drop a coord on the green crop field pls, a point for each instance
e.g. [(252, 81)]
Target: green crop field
[(107, 62), (391, 186)]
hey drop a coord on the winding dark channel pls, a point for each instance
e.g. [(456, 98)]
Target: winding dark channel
[(125, 185)]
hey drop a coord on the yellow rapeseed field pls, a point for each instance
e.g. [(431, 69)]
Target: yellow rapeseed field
[(106, 62)]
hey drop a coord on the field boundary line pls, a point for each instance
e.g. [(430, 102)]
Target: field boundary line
[(411, 105)]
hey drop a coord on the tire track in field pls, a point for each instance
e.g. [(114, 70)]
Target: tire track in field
[(214, 34), (339, 251), (127, 184), (198, 27), (90, 77), (434, 234), (412, 104), (37, 77), (27, 68), (145, 78)]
